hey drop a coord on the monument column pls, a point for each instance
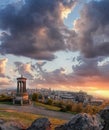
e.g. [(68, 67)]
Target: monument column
[(17, 87), (20, 87), (24, 86)]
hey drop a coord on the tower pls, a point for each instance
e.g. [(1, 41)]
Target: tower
[(22, 96)]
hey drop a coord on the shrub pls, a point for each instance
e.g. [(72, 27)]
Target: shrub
[(4, 98), (35, 97), (69, 107), (49, 102)]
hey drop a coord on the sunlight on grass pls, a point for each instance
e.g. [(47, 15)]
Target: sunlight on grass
[(49, 107)]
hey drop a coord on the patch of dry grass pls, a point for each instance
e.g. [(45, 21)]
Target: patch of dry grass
[(26, 118)]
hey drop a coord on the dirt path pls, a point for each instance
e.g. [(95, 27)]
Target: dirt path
[(38, 110)]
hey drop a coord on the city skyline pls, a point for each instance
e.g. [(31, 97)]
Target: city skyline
[(59, 44)]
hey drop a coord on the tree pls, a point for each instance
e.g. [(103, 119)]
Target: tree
[(35, 97)]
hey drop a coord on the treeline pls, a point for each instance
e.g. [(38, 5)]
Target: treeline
[(69, 106), (5, 98)]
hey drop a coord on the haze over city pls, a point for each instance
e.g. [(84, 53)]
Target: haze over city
[(57, 44)]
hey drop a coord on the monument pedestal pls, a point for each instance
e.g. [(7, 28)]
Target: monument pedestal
[(21, 99)]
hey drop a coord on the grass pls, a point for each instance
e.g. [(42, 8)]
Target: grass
[(26, 118), (8, 103), (49, 107)]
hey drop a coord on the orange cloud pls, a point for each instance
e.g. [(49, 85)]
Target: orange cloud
[(3, 66), (5, 82)]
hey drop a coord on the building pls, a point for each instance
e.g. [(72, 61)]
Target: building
[(21, 96), (96, 102)]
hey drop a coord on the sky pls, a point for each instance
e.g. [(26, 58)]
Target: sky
[(57, 44)]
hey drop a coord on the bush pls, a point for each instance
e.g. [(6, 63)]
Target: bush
[(4, 98), (59, 104), (69, 107), (63, 109), (77, 107), (49, 102), (35, 97)]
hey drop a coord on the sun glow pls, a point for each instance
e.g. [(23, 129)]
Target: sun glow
[(65, 11), (104, 93)]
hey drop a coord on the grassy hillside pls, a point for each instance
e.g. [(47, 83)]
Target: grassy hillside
[(49, 107), (26, 118)]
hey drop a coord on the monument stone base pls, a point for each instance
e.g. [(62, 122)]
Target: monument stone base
[(21, 99)]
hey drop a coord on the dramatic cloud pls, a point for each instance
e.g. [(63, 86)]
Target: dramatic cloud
[(86, 67), (57, 79), (24, 69), (93, 72), (3, 67), (92, 29), (5, 82), (34, 30), (88, 74), (104, 70)]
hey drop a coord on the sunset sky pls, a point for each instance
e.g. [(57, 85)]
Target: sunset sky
[(57, 44)]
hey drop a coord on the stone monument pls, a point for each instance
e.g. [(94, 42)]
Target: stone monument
[(21, 96)]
